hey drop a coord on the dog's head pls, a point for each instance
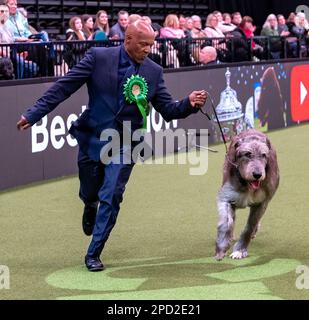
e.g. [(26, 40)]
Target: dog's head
[(251, 154)]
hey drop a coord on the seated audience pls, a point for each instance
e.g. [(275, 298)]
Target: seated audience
[(23, 67)]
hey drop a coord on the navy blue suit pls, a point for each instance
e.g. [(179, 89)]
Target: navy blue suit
[(104, 70)]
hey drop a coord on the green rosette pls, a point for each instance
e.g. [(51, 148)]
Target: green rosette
[(135, 90)]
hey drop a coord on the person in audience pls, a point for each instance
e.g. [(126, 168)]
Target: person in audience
[(23, 67), (182, 23), (212, 29), (75, 32), (189, 27), (134, 17), (282, 27), (226, 25), (73, 53), (240, 36), (208, 56), (248, 28), (303, 22), (175, 49), (270, 29), (197, 31), (171, 28), (290, 22), (118, 30), (101, 22), (88, 26), (18, 23), (236, 18)]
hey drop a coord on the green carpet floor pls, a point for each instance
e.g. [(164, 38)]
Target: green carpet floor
[(163, 243)]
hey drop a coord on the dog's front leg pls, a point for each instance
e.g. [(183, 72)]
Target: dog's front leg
[(240, 248), (225, 228)]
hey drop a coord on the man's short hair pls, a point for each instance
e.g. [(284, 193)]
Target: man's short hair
[(122, 13)]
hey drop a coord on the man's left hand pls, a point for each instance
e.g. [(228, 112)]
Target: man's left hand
[(198, 98)]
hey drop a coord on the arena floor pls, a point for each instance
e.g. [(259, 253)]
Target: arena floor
[(163, 243)]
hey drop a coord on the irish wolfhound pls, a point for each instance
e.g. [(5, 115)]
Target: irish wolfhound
[(250, 179)]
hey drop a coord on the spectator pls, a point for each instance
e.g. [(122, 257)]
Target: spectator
[(101, 22), (134, 17), (236, 18), (226, 25), (282, 27), (270, 29), (197, 31), (43, 35), (189, 27), (18, 23), (118, 30), (241, 40), (174, 48), (208, 56), (23, 67), (303, 22), (248, 28), (212, 29), (88, 24), (182, 22), (73, 53), (291, 21), (75, 32), (171, 28), (297, 30)]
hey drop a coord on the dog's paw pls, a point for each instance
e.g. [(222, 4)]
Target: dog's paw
[(239, 254), (220, 256)]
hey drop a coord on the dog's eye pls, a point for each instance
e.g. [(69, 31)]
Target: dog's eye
[(264, 155), (248, 154)]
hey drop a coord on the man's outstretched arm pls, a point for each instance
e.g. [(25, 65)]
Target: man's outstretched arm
[(59, 91)]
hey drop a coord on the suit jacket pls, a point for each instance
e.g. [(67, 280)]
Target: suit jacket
[(99, 70)]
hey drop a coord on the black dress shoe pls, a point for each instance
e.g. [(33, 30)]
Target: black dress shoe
[(89, 219), (93, 264)]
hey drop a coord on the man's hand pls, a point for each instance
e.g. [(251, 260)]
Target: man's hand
[(23, 124), (198, 98)]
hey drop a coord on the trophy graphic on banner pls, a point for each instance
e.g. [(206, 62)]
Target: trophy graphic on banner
[(229, 111)]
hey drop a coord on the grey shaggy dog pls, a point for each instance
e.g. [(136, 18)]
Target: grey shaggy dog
[(250, 179)]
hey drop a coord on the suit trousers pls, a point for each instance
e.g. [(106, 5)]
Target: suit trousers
[(102, 184)]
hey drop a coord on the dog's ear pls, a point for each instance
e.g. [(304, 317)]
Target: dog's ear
[(235, 143), (268, 143), (272, 168)]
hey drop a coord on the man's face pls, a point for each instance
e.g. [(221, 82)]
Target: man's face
[(182, 22), (197, 23), (12, 4), (281, 20), (4, 14), (237, 19), (139, 45), (123, 20)]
